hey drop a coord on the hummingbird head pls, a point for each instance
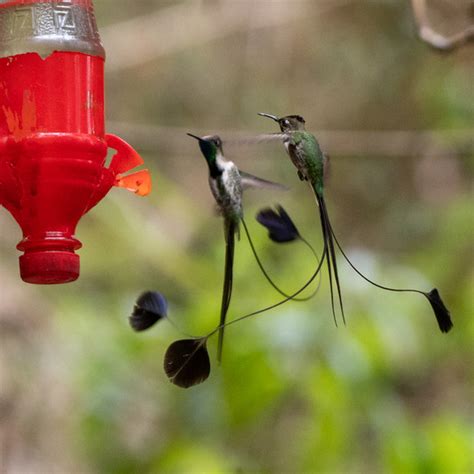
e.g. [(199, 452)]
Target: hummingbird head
[(211, 148), (289, 123), (210, 145)]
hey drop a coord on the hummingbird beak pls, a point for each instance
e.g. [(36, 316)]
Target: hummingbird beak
[(273, 117), (194, 136)]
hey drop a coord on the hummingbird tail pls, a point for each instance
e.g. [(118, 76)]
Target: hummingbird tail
[(330, 256), (267, 276), (275, 305), (442, 314), (231, 229)]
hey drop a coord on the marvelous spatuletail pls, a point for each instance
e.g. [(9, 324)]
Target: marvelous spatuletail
[(186, 361), (310, 162), (227, 184)]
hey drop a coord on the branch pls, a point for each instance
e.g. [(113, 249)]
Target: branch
[(432, 37)]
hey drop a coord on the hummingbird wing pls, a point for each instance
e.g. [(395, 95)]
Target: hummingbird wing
[(250, 181), (270, 137), (230, 229), (255, 139)]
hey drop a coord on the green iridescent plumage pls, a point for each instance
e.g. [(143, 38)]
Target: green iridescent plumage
[(308, 158)]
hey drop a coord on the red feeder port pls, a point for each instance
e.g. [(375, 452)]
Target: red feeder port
[(53, 145)]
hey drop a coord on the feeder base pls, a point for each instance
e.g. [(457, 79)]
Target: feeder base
[(49, 268)]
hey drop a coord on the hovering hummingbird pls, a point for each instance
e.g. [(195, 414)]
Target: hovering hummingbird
[(310, 162), (186, 361), (227, 184)]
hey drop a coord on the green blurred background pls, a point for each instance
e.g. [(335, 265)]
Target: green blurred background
[(81, 393)]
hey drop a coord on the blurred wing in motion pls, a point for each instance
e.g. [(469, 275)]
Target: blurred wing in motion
[(256, 139), (251, 181)]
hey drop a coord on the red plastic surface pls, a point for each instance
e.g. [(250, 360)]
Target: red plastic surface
[(63, 93), (52, 155)]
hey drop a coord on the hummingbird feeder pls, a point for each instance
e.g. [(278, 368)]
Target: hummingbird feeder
[(53, 145)]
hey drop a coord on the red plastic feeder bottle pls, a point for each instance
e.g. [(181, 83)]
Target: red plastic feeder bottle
[(53, 144)]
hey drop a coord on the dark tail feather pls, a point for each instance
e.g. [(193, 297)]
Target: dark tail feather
[(331, 256), (328, 261), (227, 287), (442, 313)]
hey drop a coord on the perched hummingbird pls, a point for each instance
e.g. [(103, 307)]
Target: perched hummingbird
[(227, 184), (310, 162)]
